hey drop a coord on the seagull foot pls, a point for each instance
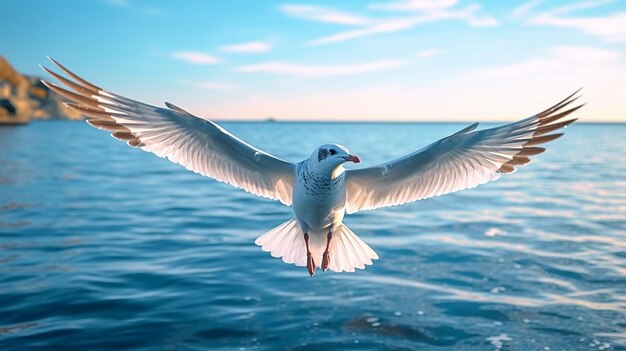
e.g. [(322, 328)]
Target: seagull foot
[(325, 260), (326, 256), (310, 264)]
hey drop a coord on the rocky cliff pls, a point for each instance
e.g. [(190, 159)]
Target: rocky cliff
[(24, 98)]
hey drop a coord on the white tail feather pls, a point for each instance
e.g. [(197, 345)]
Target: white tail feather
[(347, 250)]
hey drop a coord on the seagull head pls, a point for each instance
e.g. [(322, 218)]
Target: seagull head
[(329, 157)]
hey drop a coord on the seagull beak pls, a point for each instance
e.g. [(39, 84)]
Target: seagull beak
[(352, 158)]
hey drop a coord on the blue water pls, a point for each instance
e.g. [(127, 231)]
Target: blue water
[(105, 247)]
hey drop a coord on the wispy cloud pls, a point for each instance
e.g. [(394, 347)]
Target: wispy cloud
[(253, 47), (414, 5), (323, 14), (428, 53), (611, 27), (295, 69), (209, 85), (525, 8), (560, 58), (583, 5), (544, 77), (467, 14), (198, 58), (389, 26), (439, 10)]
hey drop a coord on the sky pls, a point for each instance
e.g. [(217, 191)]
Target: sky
[(376, 60)]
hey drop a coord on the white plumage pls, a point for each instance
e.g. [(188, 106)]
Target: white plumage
[(319, 188)]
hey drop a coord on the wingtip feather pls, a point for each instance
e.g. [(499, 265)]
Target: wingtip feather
[(75, 76)]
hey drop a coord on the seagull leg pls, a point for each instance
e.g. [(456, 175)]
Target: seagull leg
[(310, 263), (326, 256)]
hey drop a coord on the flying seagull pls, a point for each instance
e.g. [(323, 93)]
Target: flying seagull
[(320, 190)]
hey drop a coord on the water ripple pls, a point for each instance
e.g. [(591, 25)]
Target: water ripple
[(104, 247)]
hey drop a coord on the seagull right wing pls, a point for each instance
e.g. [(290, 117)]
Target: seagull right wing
[(460, 161), (195, 143)]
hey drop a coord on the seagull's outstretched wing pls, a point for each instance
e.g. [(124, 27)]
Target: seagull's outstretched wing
[(195, 143), (460, 161)]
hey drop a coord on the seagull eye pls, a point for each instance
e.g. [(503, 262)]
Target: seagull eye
[(332, 151)]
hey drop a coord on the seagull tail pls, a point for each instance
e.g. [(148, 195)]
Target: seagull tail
[(347, 250), (286, 241)]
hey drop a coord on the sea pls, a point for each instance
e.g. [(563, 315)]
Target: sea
[(105, 247)]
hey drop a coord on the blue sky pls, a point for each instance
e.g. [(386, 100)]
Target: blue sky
[(415, 60)]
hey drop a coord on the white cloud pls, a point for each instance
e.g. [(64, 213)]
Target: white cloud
[(198, 58), (585, 54), (322, 14), (428, 53), (414, 5), (525, 8), (404, 23), (540, 81), (208, 85), (253, 47), (611, 27), (584, 5), (495, 97), (294, 69), (469, 14), (487, 21), (389, 26), (560, 59)]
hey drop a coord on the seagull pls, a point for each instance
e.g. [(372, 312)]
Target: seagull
[(319, 188)]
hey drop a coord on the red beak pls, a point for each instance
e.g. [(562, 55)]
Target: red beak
[(352, 158)]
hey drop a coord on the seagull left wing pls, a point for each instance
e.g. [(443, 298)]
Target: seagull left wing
[(460, 161), (195, 143)]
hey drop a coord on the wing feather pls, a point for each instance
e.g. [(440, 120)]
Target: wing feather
[(173, 133), (463, 160)]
